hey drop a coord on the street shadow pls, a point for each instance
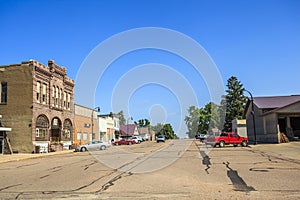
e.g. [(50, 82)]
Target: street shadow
[(238, 183)]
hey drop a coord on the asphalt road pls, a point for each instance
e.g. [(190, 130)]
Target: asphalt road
[(178, 169)]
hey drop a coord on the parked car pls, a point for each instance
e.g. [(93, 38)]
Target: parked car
[(202, 137), (137, 139), (126, 141), (227, 138), (93, 145), (160, 138), (197, 136)]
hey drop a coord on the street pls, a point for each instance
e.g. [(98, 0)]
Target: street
[(177, 169)]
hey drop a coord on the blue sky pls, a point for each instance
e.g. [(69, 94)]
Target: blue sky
[(256, 41)]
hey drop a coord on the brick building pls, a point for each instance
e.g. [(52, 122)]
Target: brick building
[(85, 125), (37, 102)]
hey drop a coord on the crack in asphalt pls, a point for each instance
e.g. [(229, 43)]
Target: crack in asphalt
[(44, 176), (87, 166), (271, 158), (92, 182), (20, 166), (115, 173), (205, 161), (205, 158), (111, 182), (10, 186)]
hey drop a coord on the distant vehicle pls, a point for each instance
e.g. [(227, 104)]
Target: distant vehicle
[(126, 141), (160, 138), (197, 136), (226, 139), (202, 137), (93, 145)]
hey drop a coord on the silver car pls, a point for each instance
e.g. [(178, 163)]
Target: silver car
[(93, 145)]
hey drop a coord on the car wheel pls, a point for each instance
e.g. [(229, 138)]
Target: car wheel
[(244, 143), (83, 149), (222, 144), (102, 147)]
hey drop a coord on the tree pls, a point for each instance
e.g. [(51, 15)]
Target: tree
[(203, 120), (122, 118), (157, 128), (213, 115), (142, 123), (235, 102), (167, 131)]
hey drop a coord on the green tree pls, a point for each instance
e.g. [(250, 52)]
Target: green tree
[(203, 120), (157, 128), (212, 115), (121, 117), (192, 121), (142, 123), (167, 131), (235, 102)]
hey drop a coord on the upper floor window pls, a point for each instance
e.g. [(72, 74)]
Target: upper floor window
[(38, 91), (3, 93), (68, 102), (44, 96), (56, 96), (53, 96), (60, 97), (65, 100)]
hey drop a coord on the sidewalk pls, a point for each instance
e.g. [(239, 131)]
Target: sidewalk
[(22, 156)]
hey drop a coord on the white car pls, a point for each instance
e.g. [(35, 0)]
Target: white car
[(137, 139), (93, 145)]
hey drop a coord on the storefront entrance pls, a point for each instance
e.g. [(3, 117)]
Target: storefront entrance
[(55, 132)]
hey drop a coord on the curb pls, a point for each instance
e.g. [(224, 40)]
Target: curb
[(19, 157)]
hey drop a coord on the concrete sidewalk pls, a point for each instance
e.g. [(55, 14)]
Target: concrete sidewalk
[(22, 156)]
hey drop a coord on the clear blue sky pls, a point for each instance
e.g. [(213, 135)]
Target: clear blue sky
[(256, 41)]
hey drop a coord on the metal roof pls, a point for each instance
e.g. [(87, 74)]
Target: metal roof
[(275, 101)]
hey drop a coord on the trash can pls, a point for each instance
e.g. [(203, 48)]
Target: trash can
[(37, 149)]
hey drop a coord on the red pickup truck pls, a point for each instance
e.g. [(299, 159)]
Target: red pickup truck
[(227, 138)]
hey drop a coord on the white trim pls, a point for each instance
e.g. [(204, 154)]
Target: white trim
[(5, 129)]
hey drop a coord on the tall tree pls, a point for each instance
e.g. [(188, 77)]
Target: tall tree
[(168, 132), (235, 102), (121, 117), (192, 121)]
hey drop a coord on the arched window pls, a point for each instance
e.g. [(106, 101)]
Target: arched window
[(42, 126), (67, 131)]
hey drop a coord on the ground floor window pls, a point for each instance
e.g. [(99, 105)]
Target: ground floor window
[(79, 136), (85, 136)]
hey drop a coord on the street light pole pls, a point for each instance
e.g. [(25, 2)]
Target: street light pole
[(253, 117), (98, 110)]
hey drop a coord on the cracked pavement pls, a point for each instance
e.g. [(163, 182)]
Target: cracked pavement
[(181, 169)]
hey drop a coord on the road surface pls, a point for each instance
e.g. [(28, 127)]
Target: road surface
[(177, 169)]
